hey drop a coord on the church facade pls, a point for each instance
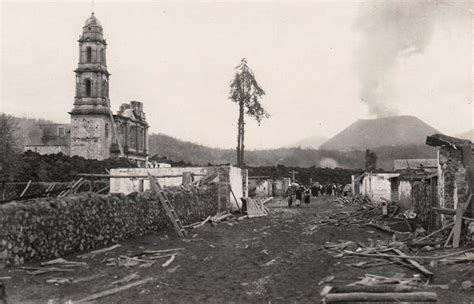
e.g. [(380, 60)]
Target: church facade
[(95, 132)]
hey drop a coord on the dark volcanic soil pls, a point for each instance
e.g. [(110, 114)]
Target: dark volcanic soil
[(272, 259)]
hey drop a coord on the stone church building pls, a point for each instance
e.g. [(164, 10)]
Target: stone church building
[(95, 132)]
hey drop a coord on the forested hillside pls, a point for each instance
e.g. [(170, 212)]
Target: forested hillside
[(161, 145)]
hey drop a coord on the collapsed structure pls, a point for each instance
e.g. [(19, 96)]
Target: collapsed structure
[(95, 132), (434, 189)]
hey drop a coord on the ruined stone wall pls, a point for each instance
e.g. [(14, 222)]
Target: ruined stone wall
[(421, 202), (91, 136), (52, 227), (452, 183)]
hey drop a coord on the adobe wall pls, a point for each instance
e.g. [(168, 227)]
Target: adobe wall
[(51, 227)]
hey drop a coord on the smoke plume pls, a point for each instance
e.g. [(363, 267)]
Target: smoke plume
[(390, 29), (329, 163)]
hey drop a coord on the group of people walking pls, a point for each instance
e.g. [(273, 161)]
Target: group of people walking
[(298, 194), (327, 190)]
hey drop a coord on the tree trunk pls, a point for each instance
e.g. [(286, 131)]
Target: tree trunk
[(242, 146), (240, 135), (238, 142)]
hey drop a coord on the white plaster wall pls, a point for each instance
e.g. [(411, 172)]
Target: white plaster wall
[(235, 180), (129, 185), (377, 185), (381, 186), (404, 194), (262, 188)]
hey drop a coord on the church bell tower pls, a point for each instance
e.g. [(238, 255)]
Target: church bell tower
[(91, 121)]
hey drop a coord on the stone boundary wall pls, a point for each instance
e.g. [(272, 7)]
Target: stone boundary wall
[(52, 227)]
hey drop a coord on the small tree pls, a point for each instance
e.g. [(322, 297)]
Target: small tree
[(246, 92)]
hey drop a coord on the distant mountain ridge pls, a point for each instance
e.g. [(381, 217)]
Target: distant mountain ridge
[(381, 132)]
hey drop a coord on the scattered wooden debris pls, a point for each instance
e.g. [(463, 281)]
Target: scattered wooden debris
[(112, 291), (63, 263), (220, 217), (198, 224), (255, 209), (271, 262), (417, 265), (161, 251), (326, 280), (169, 261), (408, 257), (95, 252), (43, 270), (128, 278), (63, 280)]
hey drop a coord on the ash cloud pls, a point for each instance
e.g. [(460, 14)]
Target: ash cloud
[(390, 29), (329, 163)]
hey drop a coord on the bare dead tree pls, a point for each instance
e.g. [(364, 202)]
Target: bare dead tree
[(247, 93)]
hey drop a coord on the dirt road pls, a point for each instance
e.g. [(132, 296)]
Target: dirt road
[(273, 259)]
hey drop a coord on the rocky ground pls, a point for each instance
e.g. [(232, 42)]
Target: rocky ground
[(279, 258)]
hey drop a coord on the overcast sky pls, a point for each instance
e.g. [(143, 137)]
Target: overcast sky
[(178, 59)]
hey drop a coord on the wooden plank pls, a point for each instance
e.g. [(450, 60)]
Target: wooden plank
[(26, 188), (458, 223), (450, 236), (417, 296), (374, 288), (417, 265), (112, 291), (433, 233), (92, 253), (444, 210), (392, 256)]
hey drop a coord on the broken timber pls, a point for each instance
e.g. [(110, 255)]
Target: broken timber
[(415, 264), (388, 297), (113, 291), (391, 256), (458, 222), (162, 197)]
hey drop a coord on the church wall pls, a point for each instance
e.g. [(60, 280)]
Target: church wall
[(91, 136)]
